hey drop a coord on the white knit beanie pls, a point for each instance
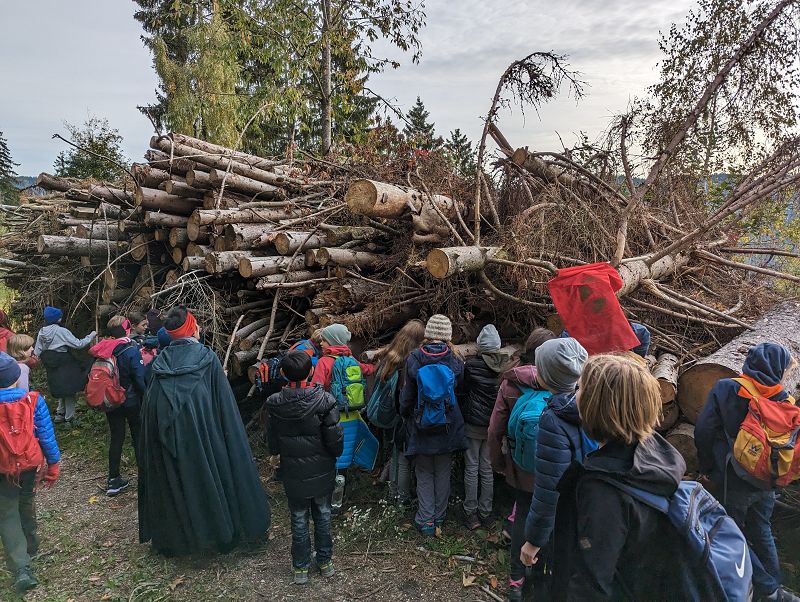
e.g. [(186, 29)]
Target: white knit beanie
[(439, 328)]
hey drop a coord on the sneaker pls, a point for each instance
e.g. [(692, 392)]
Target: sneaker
[(116, 486), (487, 522), (59, 419), (427, 529), (515, 590), (300, 576), (25, 581), (471, 521), (326, 569), (783, 595)]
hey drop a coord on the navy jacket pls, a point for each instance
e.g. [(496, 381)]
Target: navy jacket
[(421, 442), (558, 445), (42, 425), (131, 372)]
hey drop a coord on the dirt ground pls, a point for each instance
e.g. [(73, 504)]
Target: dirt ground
[(90, 548)]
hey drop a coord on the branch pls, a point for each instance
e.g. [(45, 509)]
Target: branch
[(746, 267)]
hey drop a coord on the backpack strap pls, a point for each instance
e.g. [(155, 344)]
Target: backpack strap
[(656, 502)]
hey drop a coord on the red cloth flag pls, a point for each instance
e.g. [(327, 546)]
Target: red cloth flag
[(585, 299)]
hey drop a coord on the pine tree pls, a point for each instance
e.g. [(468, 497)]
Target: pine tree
[(105, 143), (9, 193), (459, 150), (419, 131)]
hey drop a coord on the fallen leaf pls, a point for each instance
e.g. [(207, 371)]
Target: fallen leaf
[(94, 578), (179, 581), (493, 538), (108, 544), (107, 596), (93, 499), (493, 581), (438, 533), (467, 580)]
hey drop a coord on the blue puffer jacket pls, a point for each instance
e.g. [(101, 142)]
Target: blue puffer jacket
[(558, 445), (42, 425), (420, 442)]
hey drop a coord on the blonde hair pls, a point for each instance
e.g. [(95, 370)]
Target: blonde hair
[(18, 345), (316, 336), (116, 321), (408, 338), (618, 399)]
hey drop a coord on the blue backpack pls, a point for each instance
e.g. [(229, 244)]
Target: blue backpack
[(436, 397), (713, 540), (347, 384), (523, 426), (381, 408)]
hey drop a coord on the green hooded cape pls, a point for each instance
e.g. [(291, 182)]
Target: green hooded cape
[(199, 489)]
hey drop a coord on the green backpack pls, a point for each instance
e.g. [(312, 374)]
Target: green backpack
[(348, 385)]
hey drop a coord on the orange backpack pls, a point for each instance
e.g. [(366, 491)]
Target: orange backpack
[(103, 390), (767, 445), (19, 447)]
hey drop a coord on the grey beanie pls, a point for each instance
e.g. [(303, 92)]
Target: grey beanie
[(439, 328), (489, 339), (559, 363), (336, 334)]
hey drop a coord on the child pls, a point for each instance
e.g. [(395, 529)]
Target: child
[(517, 478), (5, 331), (389, 361), (139, 325), (130, 369), (334, 340), (66, 376), (609, 545), (432, 446), (20, 347), (747, 499), (559, 441), (303, 429), (481, 383), (32, 448)]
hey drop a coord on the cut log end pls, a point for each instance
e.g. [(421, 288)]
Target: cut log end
[(695, 384), (682, 438), (361, 197), (438, 264)]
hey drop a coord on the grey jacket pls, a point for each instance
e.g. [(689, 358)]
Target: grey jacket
[(57, 338)]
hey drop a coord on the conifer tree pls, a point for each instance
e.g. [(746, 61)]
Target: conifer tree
[(460, 152), (9, 193), (419, 131)]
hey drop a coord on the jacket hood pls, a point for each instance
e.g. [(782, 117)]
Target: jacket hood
[(767, 362), (183, 357), (431, 353), (498, 361), (653, 465), (296, 403), (5, 332), (48, 333), (565, 407), (523, 375), (105, 348), (338, 350)]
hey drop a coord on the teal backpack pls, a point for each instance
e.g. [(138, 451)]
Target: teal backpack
[(381, 409), (348, 385), (523, 426)]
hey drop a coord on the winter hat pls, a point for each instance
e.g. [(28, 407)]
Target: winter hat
[(336, 334), (559, 363), (439, 328), (643, 334), (489, 339), (296, 366), (154, 322), (52, 315), (766, 363), (9, 371), (163, 338)]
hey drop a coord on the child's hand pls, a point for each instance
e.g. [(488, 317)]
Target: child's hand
[(528, 554), (51, 475)]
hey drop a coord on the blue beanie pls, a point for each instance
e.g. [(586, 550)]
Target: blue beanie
[(52, 315), (766, 363), (163, 338), (643, 334), (9, 371)]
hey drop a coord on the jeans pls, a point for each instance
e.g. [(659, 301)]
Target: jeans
[(18, 520), (116, 426), (66, 407), (400, 475), (477, 462), (433, 487), (301, 543), (752, 511)]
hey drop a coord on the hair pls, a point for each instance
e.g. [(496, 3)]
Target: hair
[(18, 345), (136, 317), (408, 338), (114, 326), (316, 336), (618, 399), (176, 317), (535, 339)]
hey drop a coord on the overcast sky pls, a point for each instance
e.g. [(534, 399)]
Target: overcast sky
[(64, 60)]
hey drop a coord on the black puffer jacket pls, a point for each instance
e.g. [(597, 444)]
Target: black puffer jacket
[(304, 430), (481, 382)]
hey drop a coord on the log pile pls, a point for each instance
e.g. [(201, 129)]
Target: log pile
[(265, 251)]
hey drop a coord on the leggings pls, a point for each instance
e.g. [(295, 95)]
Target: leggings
[(116, 426)]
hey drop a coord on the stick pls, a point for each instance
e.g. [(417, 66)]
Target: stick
[(485, 589), (230, 343), (746, 267)]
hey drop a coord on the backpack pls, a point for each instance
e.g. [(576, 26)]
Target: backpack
[(347, 384), (381, 408), (19, 447), (103, 390), (523, 426), (767, 446), (269, 370), (436, 397), (714, 543)]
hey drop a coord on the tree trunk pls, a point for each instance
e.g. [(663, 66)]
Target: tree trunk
[(100, 231), (177, 165), (178, 254), (286, 243), (149, 176), (443, 263), (247, 236), (379, 199), (155, 219), (226, 261), (118, 295), (204, 217), (288, 279), (670, 413), (246, 185), (634, 271), (682, 438), (666, 372), (115, 196), (49, 182), (348, 258), (326, 109), (779, 325), (197, 250), (191, 263), (153, 199), (78, 247), (208, 147), (256, 267), (198, 179), (140, 246), (181, 189)]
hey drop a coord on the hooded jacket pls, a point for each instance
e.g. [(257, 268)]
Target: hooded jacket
[(42, 425), (130, 366), (499, 453), (323, 369), (5, 334), (610, 546), (57, 338), (724, 412), (481, 383), (558, 445), (303, 429), (439, 442)]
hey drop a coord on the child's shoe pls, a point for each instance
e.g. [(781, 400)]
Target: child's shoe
[(515, 590), (300, 576), (782, 595), (427, 529), (487, 522), (471, 521), (116, 486), (25, 581), (326, 569)]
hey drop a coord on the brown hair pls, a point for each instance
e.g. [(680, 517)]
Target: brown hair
[(408, 338), (535, 339), (18, 345), (136, 317), (618, 399)]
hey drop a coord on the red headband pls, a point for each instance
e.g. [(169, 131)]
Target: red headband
[(187, 329), (126, 326)]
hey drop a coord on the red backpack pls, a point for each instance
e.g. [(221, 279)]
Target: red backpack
[(103, 390), (19, 447)]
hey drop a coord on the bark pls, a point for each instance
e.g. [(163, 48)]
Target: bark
[(153, 199), (347, 258), (779, 325), (256, 267), (634, 271), (176, 165), (203, 217), (78, 247), (191, 263), (443, 263), (290, 278), (225, 261), (245, 185), (286, 243), (100, 231), (50, 182), (326, 110), (149, 176), (379, 199), (247, 236), (666, 372), (156, 219), (682, 438), (119, 295), (670, 413), (115, 196), (181, 189), (198, 179), (208, 147), (198, 250)]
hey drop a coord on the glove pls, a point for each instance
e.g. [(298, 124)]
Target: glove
[(51, 475)]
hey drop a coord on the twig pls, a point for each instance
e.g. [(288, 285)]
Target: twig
[(746, 267), (231, 342), (485, 589), (490, 285)]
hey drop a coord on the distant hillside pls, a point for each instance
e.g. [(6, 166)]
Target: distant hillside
[(26, 181)]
